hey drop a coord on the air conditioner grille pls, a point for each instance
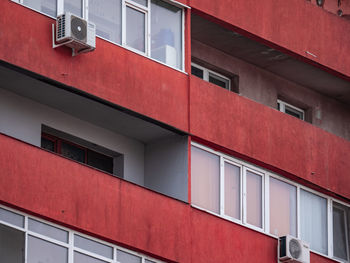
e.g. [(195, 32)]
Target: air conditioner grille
[(61, 27), (79, 28), (294, 248)]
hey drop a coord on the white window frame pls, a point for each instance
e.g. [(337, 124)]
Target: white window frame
[(266, 199), (208, 72), (138, 7), (70, 244), (283, 105)]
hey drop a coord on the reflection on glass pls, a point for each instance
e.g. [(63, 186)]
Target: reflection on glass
[(81, 258), (166, 33), (135, 29), (11, 245), (11, 217), (197, 72), (74, 7), (43, 251), (93, 246), (254, 199), (232, 191), (45, 6), (124, 257), (205, 179), (340, 232), (283, 208), (313, 221), (47, 230), (73, 152), (106, 14), (141, 2)]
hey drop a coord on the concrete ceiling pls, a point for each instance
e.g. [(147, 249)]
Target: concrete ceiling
[(269, 59), (81, 107)]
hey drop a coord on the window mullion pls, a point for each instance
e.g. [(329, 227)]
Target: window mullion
[(330, 227), (222, 186), (298, 213), (71, 247), (85, 9), (148, 29), (266, 211), (123, 23), (60, 7), (25, 239)]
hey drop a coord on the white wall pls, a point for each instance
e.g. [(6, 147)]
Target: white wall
[(22, 118), (166, 166)]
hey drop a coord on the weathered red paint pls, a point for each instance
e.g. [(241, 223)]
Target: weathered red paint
[(297, 26), (110, 72), (82, 198), (266, 135)]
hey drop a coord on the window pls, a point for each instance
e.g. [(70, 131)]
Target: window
[(79, 153), (258, 199), (341, 223), (44, 242), (153, 28), (217, 186), (283, 208), (211, 76), (290, 110), (313, 221)]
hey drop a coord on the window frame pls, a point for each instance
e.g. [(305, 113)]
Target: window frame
[(58, 142), (138, 7), (282, 108), (266, 199), (207, 72), (71, 248), (336, 204)]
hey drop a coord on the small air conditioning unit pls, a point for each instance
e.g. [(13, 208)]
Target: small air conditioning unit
[(291, 249), (76, 33)]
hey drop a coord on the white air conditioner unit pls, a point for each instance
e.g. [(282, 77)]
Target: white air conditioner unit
[(291, 249), (76, 33)]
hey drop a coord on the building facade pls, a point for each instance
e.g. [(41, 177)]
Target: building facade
[(196, 131)]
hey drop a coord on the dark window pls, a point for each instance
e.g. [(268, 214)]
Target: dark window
[(197, 72), (11, 245), (77, 152)]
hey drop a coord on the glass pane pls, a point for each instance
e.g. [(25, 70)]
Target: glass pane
[(166, 33), (135, 29), (11, 245), (45, 6), (43, 251), (340, 232), (197, 72), (313, 221), (283, 208), (100, 161), (218, 81), (124, 257), (205, 179), (149, 261), (93, 246), (73, 152), (11, 217), (106, 14), (74, 7), (293, 112), (47, 144), (48, 230), (232, 191), (81, 258), (141, 2), (254, 202)]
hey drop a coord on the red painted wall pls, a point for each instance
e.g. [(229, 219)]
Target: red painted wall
[(110, 72), (296, 25), (87, 200), (270, 137)]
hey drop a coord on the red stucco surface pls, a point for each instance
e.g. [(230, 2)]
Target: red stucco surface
[(110, 72), (266, 135), (295, 25), (98, 204)]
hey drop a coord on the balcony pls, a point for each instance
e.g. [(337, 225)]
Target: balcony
[(79, 197)]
